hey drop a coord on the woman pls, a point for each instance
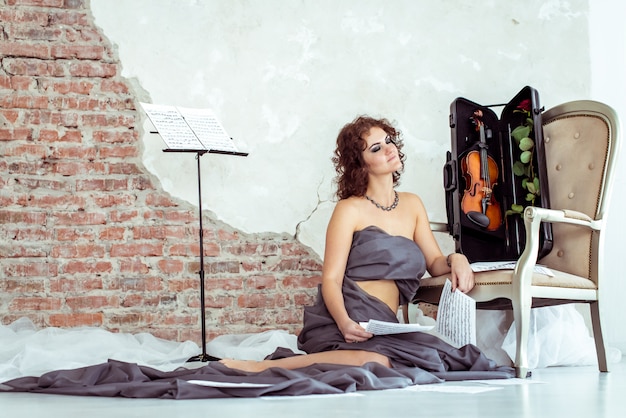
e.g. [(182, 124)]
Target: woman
[(378, 246)]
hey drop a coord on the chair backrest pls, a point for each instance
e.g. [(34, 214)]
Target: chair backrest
[(581, 141)]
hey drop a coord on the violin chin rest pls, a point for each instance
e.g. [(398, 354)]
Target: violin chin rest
[(478, 218)]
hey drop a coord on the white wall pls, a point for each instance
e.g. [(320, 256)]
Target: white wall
[(608, 85), (284, 76)]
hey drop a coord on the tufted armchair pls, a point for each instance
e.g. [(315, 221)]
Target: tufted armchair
[(581, 146)]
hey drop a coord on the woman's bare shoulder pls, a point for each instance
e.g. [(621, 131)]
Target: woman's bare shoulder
[(412, 199), (350, 204)]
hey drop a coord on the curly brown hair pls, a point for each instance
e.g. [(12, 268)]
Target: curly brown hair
[(351, 169)]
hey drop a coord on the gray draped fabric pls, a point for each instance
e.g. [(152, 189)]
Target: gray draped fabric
[(377, 255)]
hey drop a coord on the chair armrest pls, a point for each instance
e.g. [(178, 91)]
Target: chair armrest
[(438, 226), (561, 216), (534, 216)]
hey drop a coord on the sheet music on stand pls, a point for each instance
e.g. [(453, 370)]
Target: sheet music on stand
[(456, 316), (190, 130)]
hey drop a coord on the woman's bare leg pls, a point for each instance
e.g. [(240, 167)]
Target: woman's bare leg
[(342, 357)]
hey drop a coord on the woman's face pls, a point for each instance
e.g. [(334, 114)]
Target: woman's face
[(380, 153)]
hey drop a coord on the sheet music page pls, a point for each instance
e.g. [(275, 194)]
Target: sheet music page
[(172, 127), (377, 327), (208, 129), (506, 265), (456, 316)]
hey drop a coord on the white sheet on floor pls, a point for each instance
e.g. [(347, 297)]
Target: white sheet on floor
[(252, 346), (27, 351), (558, 336)]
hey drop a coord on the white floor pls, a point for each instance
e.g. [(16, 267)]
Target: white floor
[(551, 392)]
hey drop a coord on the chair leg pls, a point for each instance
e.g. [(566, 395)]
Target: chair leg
[(603, 364), (405, 312), (521, 318)]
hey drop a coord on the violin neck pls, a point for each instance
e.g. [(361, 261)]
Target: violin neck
[(484, 158)]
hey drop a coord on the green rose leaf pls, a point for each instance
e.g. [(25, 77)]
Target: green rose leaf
[(520, 132), (518, 168), (536, 184), (530, 186), (525, 157), (526, 144), (517, 208)]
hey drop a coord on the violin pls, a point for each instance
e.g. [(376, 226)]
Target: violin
[(481, 174)]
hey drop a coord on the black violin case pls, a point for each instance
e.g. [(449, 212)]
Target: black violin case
[(483, 207)]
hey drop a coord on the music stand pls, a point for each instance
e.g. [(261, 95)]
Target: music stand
[(197, 131)]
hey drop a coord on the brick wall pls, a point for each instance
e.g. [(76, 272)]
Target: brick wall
[(87, 235)]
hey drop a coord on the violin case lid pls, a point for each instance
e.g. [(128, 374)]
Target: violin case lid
[(510, 192)]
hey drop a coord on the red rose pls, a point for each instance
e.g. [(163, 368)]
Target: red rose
[(524, 105)]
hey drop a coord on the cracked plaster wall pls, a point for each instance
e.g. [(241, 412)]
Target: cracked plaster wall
[(284, 76)]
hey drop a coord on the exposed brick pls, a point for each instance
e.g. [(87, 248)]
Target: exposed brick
[(51, 201), (112, 234), (80, 303), (77, 267), (262, 300), (160, 200), (22, 49), (68, 320), (74, 234), (114, 137), (114, 86), (74, 284), (260, 282), (159, 232), (76, 153), (88, 235), (179, 285), (35, 304), (78, 251), (122, 216), (219, 283), (15, 134), (22, 286), (92, 69), (22, 251), (34, 67), (133, 266), (22, 233), (79, 218), (171, 266), (119, 152), (22, 217), (102, 185), (34, 32), (111, 200), (302, 282), (136, 249), (90, 52), (27, 150)]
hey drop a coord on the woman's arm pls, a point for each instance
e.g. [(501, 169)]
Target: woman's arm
[(461, 274), (341, 228)]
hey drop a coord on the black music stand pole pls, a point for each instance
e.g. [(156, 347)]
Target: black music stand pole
[(203, 357)]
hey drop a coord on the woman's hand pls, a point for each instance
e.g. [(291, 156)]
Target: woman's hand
[(461, 274), (353, 332)]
